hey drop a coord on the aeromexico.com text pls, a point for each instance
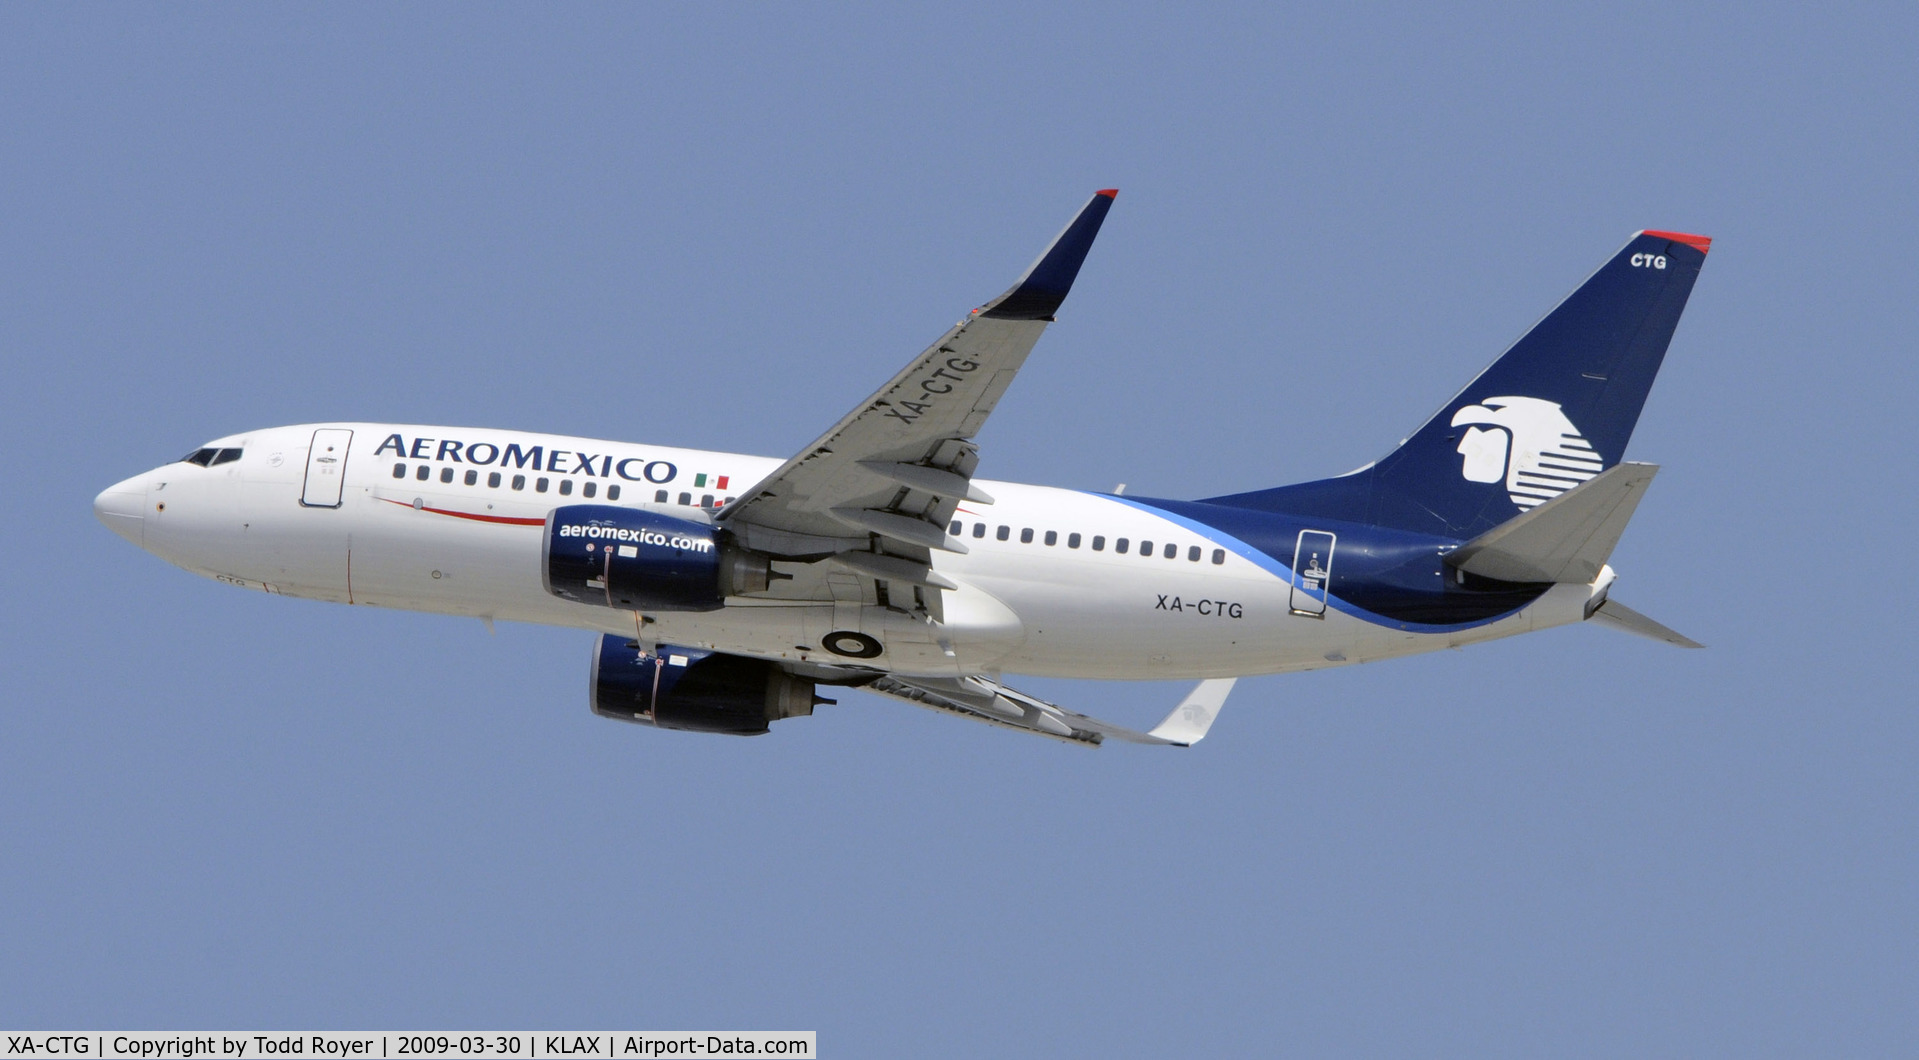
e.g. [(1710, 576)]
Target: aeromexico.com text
[(643, 536), (532, 458)]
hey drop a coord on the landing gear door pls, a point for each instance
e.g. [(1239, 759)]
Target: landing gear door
[(326, 468), (1312, 571)]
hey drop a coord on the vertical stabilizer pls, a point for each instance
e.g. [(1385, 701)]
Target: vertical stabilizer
[(1551, 413)]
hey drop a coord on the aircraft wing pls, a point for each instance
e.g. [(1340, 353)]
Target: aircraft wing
[(982, 699), (887, 477)]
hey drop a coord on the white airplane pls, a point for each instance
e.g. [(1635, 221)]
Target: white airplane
[(728, 588)]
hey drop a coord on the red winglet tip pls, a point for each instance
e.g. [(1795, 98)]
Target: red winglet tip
[(1702, 244), (1108, 192)]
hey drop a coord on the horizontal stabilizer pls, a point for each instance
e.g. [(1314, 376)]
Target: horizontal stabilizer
[(1566, 539), (1619, 616)]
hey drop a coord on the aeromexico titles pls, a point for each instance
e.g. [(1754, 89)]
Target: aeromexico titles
[(729, 590)]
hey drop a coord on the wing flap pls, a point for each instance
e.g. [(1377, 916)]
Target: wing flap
[(928, 479), (901, 527), (893, 568)]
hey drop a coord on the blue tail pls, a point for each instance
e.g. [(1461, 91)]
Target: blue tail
[(1555, 410)]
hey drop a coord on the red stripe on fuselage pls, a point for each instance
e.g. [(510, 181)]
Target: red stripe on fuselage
[(477, 517)]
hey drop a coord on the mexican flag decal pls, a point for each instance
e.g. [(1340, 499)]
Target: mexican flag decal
[(719, 481)]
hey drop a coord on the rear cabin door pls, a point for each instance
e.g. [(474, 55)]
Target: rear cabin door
[(326, 468), (1312, 570)]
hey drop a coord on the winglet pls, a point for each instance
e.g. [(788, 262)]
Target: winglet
[(1039, 293), (1188, 723)]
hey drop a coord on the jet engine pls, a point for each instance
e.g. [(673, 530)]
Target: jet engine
[(641, 560), (698, 691)]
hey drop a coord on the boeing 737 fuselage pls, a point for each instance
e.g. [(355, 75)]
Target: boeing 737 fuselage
[(728, 588)]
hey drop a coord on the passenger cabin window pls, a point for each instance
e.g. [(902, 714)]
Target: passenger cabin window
[(686, 498), (1119, 546), (659, 496), (979, 529), (706, 500), (423, 473), (1219, 555), (612, 492), (493, 479), (1099, 543), (1072, 540), (1003, 533), (472, 477), (566, 487), (519, 482), (399, 471), (446, 474), (1026, 536), (1145, 548), (1192, 554), (539, 485), (1052, 537), (956, 527), (1172, 550)]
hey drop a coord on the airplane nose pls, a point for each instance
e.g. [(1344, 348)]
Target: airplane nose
[(123, 507)]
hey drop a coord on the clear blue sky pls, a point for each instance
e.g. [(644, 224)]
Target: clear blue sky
[(721, 229)]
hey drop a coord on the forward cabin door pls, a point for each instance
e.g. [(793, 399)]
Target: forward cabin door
[(1312, 571), (326, 468)]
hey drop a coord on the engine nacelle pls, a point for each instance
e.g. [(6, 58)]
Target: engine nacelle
[(641, 560), (697, 691)]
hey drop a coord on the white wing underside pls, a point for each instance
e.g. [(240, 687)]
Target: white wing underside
[(982, 699)]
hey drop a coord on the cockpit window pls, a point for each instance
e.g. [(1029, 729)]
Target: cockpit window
[(210, 457)]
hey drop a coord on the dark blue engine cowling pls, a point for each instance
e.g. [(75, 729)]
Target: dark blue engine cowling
[(698, 691), (638, 559)]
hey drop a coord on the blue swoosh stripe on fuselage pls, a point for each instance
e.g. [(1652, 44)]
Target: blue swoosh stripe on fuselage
[(1282, 569)]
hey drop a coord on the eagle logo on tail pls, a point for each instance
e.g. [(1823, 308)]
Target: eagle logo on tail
[(1529, 444)]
